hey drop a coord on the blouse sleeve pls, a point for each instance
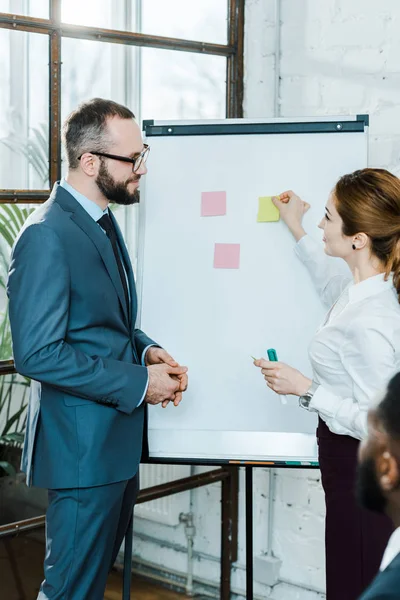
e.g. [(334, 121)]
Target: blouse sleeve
[(328, 275), (368, 355)]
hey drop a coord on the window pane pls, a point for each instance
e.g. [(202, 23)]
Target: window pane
[(182, 85), (108, 71), (202, 20), (24, 106), (32, 8), (106, 14)]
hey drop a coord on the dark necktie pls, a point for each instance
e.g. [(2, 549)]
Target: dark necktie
[(106, 223)]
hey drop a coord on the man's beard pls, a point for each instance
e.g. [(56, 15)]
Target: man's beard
[(369, 494), (116, 192)]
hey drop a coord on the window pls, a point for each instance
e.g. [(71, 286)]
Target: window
[(32, 8), (203, 20), (24, 91), (129, 51), (193, 85)]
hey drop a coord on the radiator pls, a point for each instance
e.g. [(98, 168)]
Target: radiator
[(165, 510)]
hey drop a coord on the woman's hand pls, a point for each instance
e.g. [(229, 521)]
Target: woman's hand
[(292, 210), (283, 379)]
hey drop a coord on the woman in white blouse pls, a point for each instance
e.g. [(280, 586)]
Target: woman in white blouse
[(353, 355)]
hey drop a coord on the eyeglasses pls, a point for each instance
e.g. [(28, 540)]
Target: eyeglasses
[(135, 162)]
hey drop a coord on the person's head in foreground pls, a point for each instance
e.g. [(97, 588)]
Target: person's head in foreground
[(378, 480)]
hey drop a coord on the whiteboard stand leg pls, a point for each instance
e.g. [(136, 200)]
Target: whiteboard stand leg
[(249, 533)]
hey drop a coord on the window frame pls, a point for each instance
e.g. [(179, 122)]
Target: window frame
[(56, 30)]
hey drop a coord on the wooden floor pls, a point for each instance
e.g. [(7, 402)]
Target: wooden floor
[(21, 568), (140, 590)]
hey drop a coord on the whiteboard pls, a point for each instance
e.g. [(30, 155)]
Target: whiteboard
[(211, 319)]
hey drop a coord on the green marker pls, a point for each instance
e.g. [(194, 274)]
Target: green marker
[(273, 357)]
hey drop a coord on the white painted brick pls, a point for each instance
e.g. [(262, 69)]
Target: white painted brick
[(283, 591), (297, 559), (261, 72), (307, 11), (358, 61), (358, 32), (316, 577), (300, 91), (312, 526), (396, 152), (292, 490), (386, 120), (316, 498), (300, 37), (391, 54), (348, 9), (259, 60), (392, 26), (344, 95), (384, 151), (314, 61), (260, 11), (384, 89), (313, 474)]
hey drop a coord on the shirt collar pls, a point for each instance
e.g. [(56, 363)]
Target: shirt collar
[(91, 207), (392, 549), (370, 287)]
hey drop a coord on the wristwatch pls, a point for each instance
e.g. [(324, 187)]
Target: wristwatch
[(304, 401)]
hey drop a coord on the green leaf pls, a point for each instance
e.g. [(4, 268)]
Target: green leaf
[(12, 219), (9, 469), (6, 235), (12, 420), (16, 436)]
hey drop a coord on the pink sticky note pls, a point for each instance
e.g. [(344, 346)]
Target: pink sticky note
[(213, 204), (227, 256)]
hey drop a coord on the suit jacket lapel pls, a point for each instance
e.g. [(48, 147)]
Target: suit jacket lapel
[(129, 270), (100, 240), (131, 283)]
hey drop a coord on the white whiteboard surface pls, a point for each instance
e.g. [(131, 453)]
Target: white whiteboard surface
[(212, 320)]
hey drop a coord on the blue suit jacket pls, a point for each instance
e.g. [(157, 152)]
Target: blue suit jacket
[(386, 585), (72, 335)]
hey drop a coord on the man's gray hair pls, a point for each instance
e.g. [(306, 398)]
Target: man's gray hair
[(85, 129)]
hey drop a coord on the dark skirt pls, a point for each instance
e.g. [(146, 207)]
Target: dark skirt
[(355, 538)]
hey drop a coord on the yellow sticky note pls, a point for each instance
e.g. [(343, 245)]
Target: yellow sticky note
[(267, 211)]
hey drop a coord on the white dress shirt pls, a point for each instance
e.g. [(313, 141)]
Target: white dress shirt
[(392, 549), (356, 350)]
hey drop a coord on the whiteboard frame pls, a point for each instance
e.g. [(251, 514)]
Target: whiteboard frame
[(271, 449)]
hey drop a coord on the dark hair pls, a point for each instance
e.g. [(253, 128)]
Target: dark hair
[(368, 201), (85, 129), (388, 410)]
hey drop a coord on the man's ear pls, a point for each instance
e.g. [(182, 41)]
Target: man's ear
[(89, 164), (388, 471)]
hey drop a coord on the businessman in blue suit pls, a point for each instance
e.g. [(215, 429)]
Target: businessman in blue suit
[(378, 485), (73, 305)]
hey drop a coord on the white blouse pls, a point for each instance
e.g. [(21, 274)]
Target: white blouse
[(356, 350)]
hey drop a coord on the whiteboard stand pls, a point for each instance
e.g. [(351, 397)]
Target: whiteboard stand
[(249, 533), (243, 159)]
